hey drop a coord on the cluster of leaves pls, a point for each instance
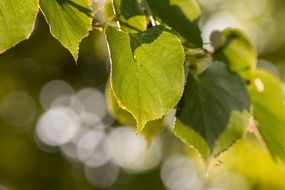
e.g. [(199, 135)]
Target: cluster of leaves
[(158, 64)]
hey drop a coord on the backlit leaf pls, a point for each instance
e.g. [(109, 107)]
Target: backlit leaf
[(70, 21), (17, 19), (147, 75), (151, 129)]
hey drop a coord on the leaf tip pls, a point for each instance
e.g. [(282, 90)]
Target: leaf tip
[(140, 127), (75, 55)]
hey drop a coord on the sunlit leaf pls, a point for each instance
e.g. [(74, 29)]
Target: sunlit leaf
[(213, 114), (70, 21), (181, 15), (147, 72), (268, 100), (151, 129), (17, 19), (123, 116), (234, 48)]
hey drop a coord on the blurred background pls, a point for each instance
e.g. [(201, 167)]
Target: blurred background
[(56, 132)]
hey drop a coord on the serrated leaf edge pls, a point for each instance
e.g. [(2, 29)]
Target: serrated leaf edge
[(28, 35), (76, 53), (141, 125)]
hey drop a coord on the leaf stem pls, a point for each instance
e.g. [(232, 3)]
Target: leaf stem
[(149, 12), (115, 13)]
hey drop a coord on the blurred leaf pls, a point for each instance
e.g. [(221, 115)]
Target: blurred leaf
[(147, 77), (213, 114), (70, 21), (182, 16), (267, 96), (248, 159), (198, 60), (234, 48), (109, 11), (17, 19), (128, 13)]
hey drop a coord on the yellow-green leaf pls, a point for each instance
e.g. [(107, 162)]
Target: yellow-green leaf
[(147, 75), (233, 47), (17, 19), (152, 128), (70, 21), (268, 100)]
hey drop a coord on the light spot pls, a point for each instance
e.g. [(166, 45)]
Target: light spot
[(131, 151), (219, 21), (57, 126), (178, 172), (53, 90), (88, 143), (259, 85), (100, 156), (103, 176), (94, 104), (251, 125)]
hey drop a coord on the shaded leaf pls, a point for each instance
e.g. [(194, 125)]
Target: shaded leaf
[(130, 15), (213, 114), (70, 21), (147, 76), (17, 19), (268, 100), (233, 47), (182, 16)]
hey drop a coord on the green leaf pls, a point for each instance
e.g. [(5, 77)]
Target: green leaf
[(123, 116), (233, 47), (182, 16), (197, 60), (129, 15), (70, 21), (17, 19), (147, 72), (152, 128), (212, 114), (268, 100)]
